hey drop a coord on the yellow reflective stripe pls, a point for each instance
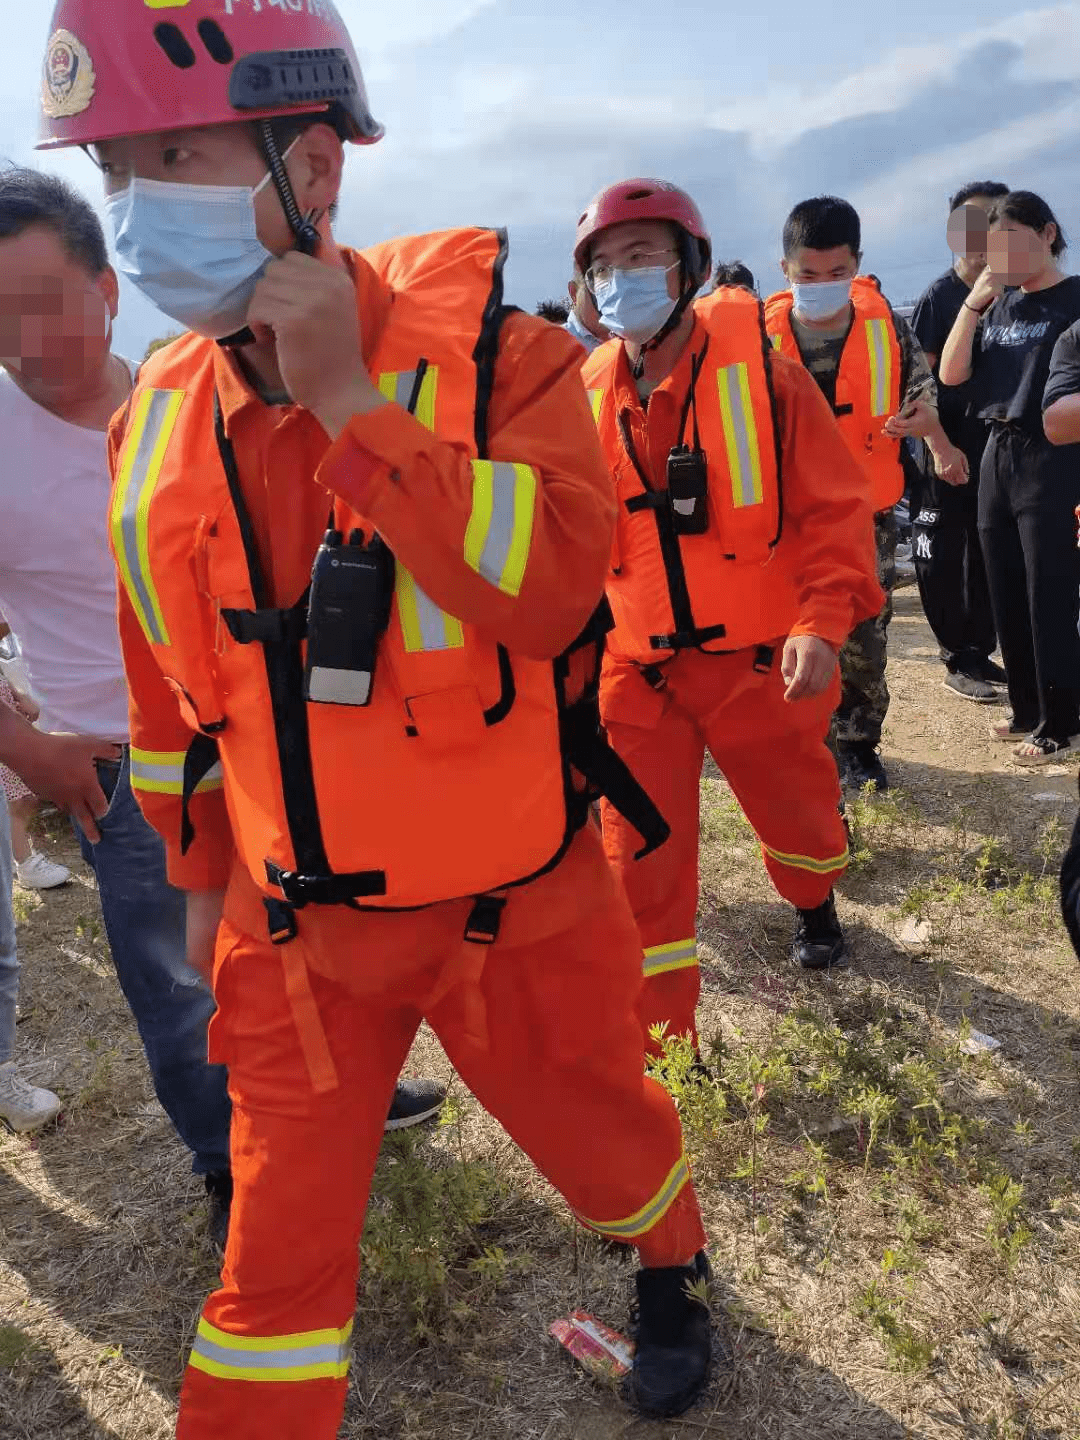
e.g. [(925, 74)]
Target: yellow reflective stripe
[(650, 1214), (151, 429), (499, 532), (880, 351), (316, 1355), (398, 385), (596, 399), (423, 625), (677, 955), (777, 341), (808, 862), (161, 772), (740, 434)]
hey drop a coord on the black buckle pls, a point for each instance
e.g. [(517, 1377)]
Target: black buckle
[(266, 627), (485, 918), (654, 676), (281, 919), (763, 659), (685, 639), (301, 890)]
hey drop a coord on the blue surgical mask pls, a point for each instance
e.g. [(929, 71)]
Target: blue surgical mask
[(579, 332), (193, 250), (818, 302), (635, 304)]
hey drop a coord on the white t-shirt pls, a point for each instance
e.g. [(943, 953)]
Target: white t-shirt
[(57, 579)]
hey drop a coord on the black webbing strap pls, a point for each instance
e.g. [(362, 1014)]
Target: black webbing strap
[(200, 759), (610, 776), (269, 627), (300, 890)]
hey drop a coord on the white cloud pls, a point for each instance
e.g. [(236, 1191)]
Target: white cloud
[(1049, 49)]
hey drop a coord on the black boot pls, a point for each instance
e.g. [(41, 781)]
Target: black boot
[(219, 1191), (674, 1339), (860, 765), (819, 940)]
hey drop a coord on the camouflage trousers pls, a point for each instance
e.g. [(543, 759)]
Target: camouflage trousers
[(864, 695)]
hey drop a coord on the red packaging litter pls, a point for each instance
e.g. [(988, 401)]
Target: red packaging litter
[(599, 1350)]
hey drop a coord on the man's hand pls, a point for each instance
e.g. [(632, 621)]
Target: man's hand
[(807, 666), (204, 909), (918, 418), (951, 464), (310, 309), (61, 768)]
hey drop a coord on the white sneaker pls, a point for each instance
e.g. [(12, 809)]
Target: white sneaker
[(37, 872), (23, 1106)]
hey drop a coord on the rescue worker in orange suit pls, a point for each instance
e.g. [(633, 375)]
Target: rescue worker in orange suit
[(743, 556), (875, 377), (363, 734)]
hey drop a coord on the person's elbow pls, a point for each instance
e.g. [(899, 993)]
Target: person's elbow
[(1061, 421)]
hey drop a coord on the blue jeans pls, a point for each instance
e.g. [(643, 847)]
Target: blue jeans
[(9, 959), (144, 920)]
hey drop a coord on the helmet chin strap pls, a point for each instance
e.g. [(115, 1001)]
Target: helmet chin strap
[(302, 226)]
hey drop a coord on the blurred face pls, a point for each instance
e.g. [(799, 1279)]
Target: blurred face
[(584, 307), (1015, 253), (55, 318), (966, 230), (636, 245)]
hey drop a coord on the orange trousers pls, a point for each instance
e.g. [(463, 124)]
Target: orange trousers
[(542, 1028), (773, 755)]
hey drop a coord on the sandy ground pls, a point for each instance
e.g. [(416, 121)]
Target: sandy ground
[(104, 1259)]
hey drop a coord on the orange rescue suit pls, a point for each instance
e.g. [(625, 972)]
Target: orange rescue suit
[(867, 385), (701, 619), (500, 563)]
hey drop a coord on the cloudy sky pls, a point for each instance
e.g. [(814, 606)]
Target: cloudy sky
[(514, 112)]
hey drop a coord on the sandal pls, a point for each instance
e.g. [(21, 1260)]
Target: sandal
[(1044, 751), (1007, 729)]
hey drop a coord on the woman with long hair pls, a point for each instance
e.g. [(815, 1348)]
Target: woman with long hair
[(1000, 348)]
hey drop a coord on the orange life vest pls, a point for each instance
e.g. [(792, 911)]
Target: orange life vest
[(457, 779), (867, 384), (732, 585)]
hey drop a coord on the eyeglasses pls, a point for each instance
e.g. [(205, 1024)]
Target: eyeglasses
[(636, 260)]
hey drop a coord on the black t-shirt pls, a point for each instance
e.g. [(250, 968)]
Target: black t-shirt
[(934, 317), (1064, 367), (1012, 351)]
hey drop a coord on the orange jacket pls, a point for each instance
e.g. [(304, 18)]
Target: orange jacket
[(867, 386), (789, 544), (453, 781)]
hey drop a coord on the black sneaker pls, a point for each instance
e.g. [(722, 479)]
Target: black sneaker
[(819, 941), (966, 686), (219, 1191), (860, 765), (673, 1331), (414, 1102), (981, 667)]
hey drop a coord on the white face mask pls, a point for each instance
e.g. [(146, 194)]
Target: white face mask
[(193, 250), (820, 301)]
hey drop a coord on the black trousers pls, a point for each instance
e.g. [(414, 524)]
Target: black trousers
[(1028, 490), (949, 566)]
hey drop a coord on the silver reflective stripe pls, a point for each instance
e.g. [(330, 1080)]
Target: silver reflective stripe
[(879, 366), (743, 491), (160, 403), (171, 774), (677, 956), (432, 622), (504, 496), (406, 383), (270, 1359)]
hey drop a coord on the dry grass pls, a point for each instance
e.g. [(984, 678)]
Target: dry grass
[(881, 1278)]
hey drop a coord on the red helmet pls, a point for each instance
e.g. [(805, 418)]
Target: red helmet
[(642, 200), (133, 67)]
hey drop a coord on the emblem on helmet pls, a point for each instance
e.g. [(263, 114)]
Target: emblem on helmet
[(68, 82)]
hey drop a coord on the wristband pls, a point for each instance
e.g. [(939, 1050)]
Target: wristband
[(971, 308)]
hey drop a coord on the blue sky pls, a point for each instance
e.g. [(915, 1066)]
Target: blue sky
[(511, 112)]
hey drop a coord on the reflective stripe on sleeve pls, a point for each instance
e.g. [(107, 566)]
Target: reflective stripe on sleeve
[(316, 1355), (596, 399), (777, 341), (499, 532), (677, 955), (808, 862), (740, 434), (650, 1214), (398, 385), (148, 438), (161, 772), (877, 343), (423, 625)]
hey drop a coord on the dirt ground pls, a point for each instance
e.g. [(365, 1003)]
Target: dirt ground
[(895, 1222)]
